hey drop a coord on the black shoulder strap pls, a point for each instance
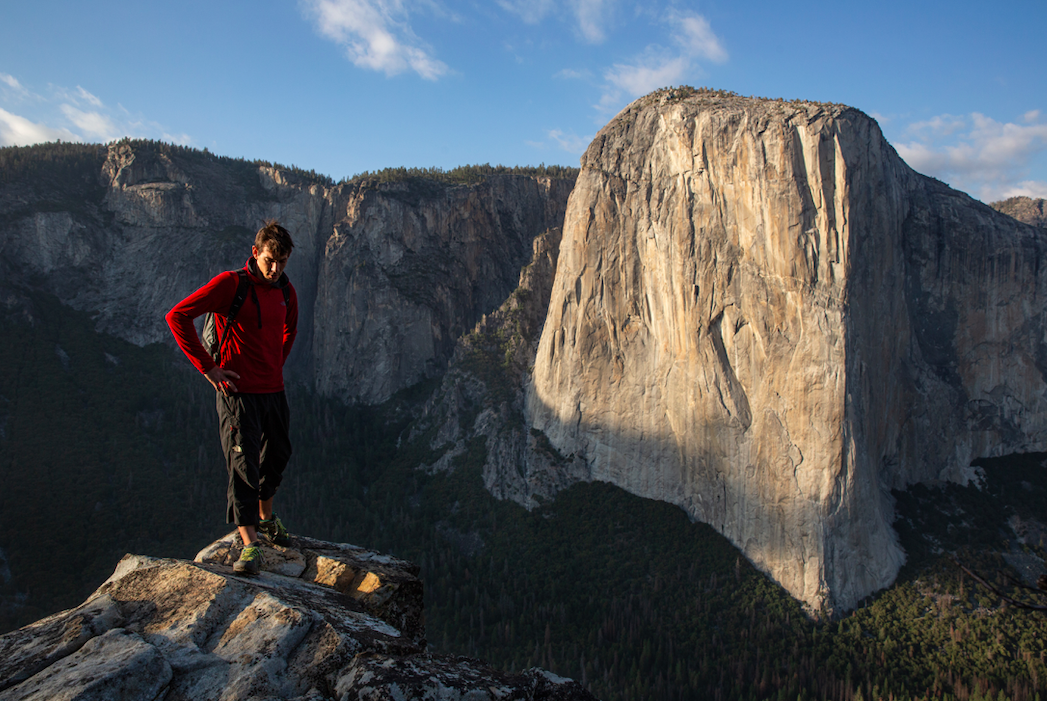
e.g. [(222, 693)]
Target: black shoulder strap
[(242, 286)]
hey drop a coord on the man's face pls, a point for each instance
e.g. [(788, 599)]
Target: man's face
[(270, 265)]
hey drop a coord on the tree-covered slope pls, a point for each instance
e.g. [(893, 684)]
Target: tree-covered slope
[(108, 448)]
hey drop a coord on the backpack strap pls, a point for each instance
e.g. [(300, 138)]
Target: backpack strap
[(243, 285), (243, 288)]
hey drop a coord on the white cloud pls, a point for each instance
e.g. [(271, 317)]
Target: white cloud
[(571, 74), (70, 115), (696, 37), (11, 82), (658, 66), (375, 35), (978, 154), (182, 139), (590, 17), (1028, 188), (942, 125), (530, 11), (92, 124), (19, 131), (648, 75), (88, 97), (570, 142)]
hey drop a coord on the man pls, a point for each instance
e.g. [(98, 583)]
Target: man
[(253, 415)]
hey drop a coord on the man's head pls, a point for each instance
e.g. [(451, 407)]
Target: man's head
[(272, 247)]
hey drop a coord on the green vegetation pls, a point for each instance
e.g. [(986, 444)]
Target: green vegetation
[(192, 155), (70, 167), (462, 175), (56, 177), (99, 455), (107, 448), (1024, 209), (59, 164)]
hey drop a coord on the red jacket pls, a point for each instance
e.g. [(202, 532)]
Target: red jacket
[(256, 353)]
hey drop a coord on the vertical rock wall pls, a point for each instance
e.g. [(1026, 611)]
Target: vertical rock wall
[(411, 267), (388, 274), (737, 327)]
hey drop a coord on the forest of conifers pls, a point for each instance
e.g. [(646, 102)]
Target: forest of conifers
[(107, 448)]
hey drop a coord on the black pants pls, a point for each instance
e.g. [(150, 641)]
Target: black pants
[(254, 430)]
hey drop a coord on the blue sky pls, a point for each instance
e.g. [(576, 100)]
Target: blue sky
[(344, 86)]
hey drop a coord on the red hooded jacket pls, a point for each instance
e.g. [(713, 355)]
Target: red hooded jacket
[(261, 335)]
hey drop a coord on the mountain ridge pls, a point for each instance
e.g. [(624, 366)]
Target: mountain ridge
[(392, 275)]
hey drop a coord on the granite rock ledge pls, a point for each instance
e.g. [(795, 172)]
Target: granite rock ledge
[(322, 621)]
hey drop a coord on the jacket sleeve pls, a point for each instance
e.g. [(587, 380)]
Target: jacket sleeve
[(215, 296), (290, 323)]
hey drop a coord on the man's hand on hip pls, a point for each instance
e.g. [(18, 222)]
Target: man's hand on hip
[(222, 380)]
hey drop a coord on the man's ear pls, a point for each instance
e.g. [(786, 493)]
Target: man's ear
[(254, 251)]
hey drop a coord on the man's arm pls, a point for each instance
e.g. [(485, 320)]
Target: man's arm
[(215, 296)]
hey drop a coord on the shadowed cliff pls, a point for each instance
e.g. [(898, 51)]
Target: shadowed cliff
[(763, 315), (389, 273)]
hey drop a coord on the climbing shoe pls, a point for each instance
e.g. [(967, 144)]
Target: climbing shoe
[(250, 561), (273, 531)]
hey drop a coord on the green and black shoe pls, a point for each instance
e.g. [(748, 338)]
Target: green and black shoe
[(250, 561), (273, 531)]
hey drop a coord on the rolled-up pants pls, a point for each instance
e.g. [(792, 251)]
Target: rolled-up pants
[(254, 430)]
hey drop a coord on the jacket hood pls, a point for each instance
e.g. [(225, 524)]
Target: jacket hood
[(259, 279)]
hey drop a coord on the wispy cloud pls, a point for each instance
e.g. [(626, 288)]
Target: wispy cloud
[(70, 115), (692, 40), (640, 77), (530, 11), (590, 18), (376, 35), (88, 97), (975, 153), (12, 82), (93, 125), (592, 15), (572, 143), (696, 38), (571, 74), (19, 131)]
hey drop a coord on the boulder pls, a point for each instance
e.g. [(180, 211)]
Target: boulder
[(321, 621)]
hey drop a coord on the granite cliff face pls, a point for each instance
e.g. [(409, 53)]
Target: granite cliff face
[(761, 314), (1024, 209), (322, 621), (756, 311), (482, 397), (409, 269), (388, 275)]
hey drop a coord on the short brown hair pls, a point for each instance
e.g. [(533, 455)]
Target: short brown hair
[(275, 238)]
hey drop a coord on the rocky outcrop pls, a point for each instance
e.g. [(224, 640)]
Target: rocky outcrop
[(388, 274), (763, 315), (1024, 209), (481, 397), (410, 268), (322, 621)]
